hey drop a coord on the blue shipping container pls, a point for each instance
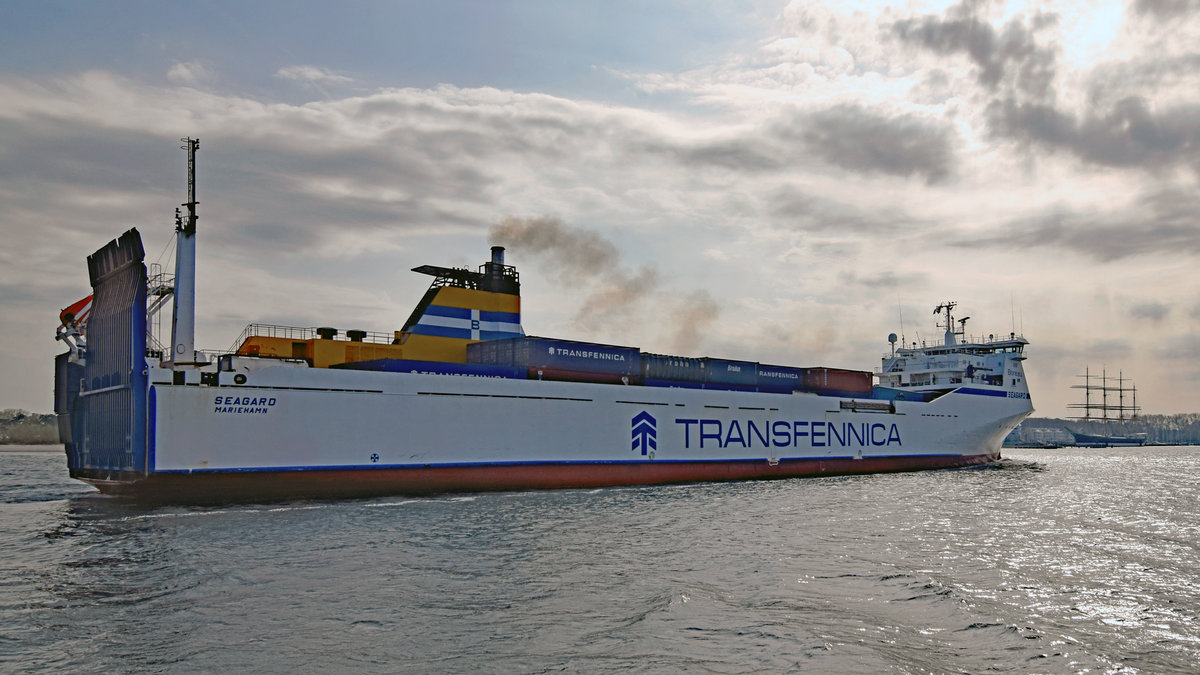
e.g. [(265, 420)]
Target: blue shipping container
[(576, 357), (782, 379), (657, 367), (741, 374)]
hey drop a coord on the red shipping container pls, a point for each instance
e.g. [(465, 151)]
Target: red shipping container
[(838, 379)]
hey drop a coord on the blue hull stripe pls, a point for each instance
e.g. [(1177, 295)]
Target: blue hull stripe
[(981, 392)]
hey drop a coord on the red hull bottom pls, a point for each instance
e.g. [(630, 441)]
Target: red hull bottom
[(221, 487)]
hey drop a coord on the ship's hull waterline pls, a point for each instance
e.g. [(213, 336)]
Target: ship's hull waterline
[(242, 486)]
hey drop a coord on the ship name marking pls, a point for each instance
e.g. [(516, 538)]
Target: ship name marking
[(784, 434)]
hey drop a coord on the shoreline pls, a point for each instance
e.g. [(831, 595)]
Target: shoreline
[(41, 447)]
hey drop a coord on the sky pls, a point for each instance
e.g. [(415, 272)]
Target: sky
[(779, 182)]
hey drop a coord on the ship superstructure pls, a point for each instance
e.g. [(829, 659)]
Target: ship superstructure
[(459, 398), (957, 362)]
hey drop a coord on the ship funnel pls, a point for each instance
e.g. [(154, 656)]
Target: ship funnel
[(498, 255)]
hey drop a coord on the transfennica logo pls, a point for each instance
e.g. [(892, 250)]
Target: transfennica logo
[(645, 432)]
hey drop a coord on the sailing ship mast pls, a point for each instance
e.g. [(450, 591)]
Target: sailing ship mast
[(1104, 410)]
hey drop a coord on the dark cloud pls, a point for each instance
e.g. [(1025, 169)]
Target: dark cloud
[(1162, 223), (884, 279), (869, 141), (748, 153), (744, 155), (1128, 135), (1007, 57), (1185, 348), (797, 208), (1166, 9), (853, 137), (1106, 349), (1113, 81), (1122, 129), (1153, 311)]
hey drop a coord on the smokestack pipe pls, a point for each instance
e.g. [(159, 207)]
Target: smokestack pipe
[(498, 255)]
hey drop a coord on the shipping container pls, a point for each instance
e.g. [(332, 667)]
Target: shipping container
[(780, 379), (611, 362), (491, 352), (838, 381), (484, 353), (723, 374), (665, 368), (434, 368)]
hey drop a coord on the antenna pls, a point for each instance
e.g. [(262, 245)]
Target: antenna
[(192, 146), (947, 307)]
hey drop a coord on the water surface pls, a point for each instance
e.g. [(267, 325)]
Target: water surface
[(1052, 561)]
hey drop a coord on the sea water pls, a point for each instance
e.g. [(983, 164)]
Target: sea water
[(1055, 561)]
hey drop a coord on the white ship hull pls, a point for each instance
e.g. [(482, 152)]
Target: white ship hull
[(294, 432)]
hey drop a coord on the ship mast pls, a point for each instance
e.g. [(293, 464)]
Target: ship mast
[(183, 318), (1102, 411), (950, 332)]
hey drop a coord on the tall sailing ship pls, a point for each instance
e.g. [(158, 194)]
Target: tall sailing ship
[(1110, 401), (461, 399)]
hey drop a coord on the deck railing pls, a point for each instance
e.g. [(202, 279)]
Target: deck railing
[(302, 333)]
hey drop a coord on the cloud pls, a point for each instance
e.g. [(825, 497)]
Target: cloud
[(1160, 222), (797, 207), (885, 279), (1130, 134), (191, 74), (1153, 311), (868, 141), (831, 155), (1184, 347), (1107, 349), (1007, 58), (1166, 9), (312, 75), (1122, 125)]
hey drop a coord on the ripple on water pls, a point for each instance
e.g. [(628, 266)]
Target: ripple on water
[(1045, 561)]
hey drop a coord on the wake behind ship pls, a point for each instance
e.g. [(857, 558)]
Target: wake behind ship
[(460, 399)]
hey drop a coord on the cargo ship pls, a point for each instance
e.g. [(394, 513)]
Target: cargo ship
[(461, 399)]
